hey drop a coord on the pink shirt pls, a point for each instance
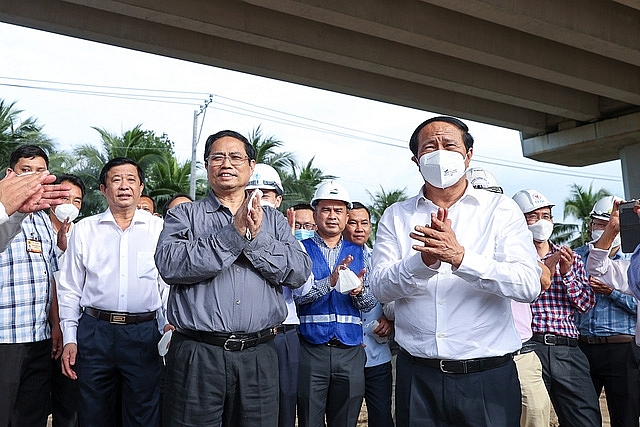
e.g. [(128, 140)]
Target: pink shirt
[(522, 318)]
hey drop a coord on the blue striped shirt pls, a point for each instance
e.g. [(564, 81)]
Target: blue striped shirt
[(26, 283), (613, 314)]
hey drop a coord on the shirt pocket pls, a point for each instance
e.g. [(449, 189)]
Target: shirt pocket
[(146, 266)]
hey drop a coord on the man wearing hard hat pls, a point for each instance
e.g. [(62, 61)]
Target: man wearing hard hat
[(452, 258), (332, 359), (565, 368), (266, 179), (607, 330)]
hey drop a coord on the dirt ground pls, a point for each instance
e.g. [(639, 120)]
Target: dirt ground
[(362, 420)]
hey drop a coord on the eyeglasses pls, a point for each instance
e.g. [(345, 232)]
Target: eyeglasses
[(307, 226), (234, 158), (535, 217)]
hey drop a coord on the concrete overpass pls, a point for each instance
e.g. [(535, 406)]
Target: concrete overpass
[(565, 73)]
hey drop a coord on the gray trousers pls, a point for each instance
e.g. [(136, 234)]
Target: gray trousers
[(209, 386), (331, 382), (565, 371)]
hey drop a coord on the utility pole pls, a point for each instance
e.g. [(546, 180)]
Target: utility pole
[(194, 145)]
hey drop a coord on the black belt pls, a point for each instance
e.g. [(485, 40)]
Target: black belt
[(527, 347), (231, 341), (335, 342), (286, 328), (613, 339), (551, 339), (468, 366), (119, 318)]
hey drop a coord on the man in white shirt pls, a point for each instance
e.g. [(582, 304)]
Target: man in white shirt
[(111, 312), (452, 258)]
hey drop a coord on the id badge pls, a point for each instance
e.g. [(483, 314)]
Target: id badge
[(34, 246)]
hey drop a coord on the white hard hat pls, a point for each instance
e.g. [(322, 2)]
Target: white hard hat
[(331, 190), (603, 207), (530, 200), (482, 179), (265, 177)]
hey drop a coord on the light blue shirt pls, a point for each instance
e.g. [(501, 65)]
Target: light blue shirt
[(377, 353), (612, 314)]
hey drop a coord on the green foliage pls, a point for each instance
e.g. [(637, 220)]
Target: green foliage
[(300, 181), (15, 132), (380, 201), (579, 205)]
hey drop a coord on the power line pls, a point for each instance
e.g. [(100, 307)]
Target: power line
[(273, 115)]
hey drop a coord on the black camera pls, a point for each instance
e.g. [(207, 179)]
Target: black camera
[(629, 226)]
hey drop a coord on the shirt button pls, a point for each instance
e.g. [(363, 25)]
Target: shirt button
[(440, 302), (440, 335), (238, 302)]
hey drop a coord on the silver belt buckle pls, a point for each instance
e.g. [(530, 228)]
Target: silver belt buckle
[(549, 339), (233, 344), (443, 370)]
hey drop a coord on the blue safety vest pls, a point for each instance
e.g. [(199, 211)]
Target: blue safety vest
[(332, 315)]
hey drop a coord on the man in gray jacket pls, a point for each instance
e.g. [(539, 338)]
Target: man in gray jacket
[(226, 260)]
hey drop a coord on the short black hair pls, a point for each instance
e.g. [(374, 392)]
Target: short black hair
[(302, 206), (153, 202), (27, 151), (73, 179), (358, 205), (165, 208), (119, 161), (251, 152), (466, 136)]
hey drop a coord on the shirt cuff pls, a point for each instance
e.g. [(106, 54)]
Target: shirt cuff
[(69, 334)]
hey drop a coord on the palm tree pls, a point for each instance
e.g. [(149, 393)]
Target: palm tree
[(380, 202), (171, 177), (300, 181), (15, 132), (579, 206), (143, 146), (266, 150)]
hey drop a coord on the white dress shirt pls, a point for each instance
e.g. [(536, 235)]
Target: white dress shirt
[(111, 269), (462, 313), (9, 226), (606, 270)]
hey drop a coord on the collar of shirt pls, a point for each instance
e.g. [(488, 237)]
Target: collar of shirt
[(470, 196), (139, 216)]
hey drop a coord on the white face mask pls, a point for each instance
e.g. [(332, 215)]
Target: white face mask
[(596, 234), (541, 230), (265, 203), (442, 168), (65, 211)]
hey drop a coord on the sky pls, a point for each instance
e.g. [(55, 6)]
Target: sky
[(72, 85)]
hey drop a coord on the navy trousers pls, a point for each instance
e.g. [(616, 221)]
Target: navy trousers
[(111, 356), (426, 396), (378, 384), (288, 348)]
